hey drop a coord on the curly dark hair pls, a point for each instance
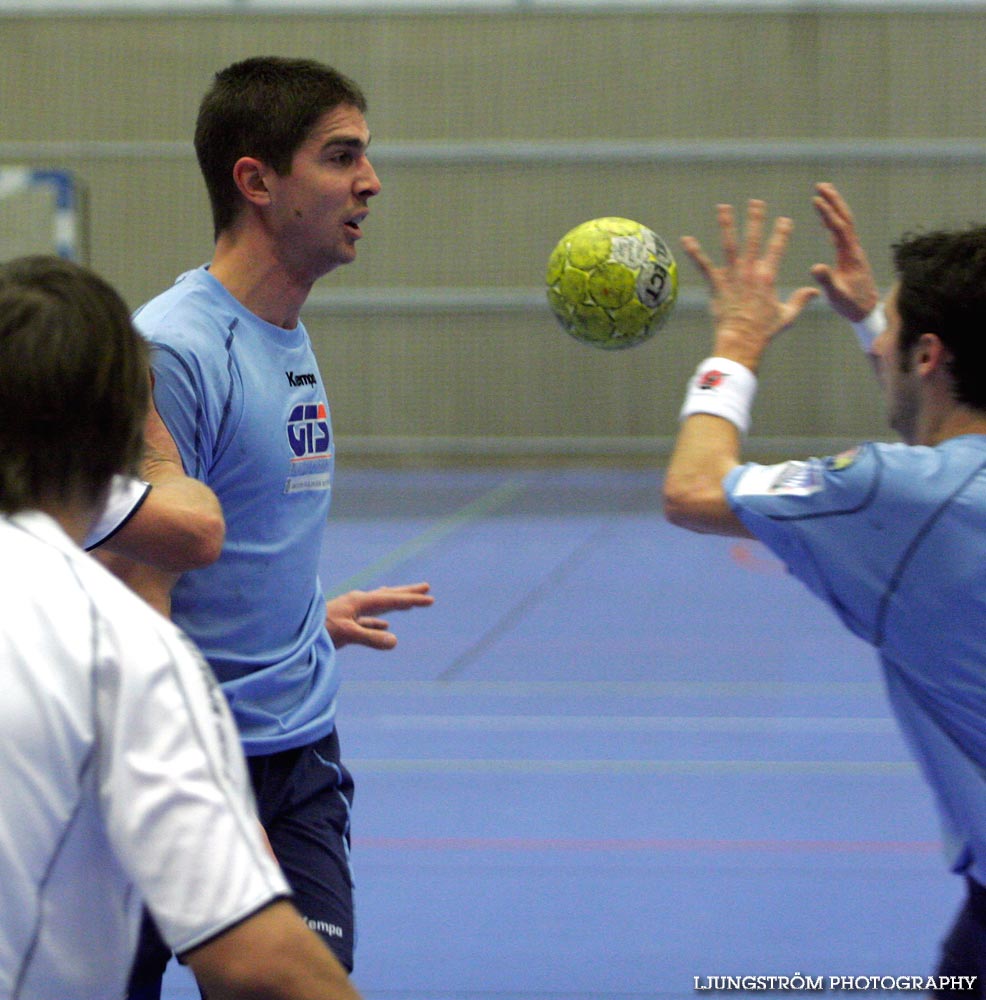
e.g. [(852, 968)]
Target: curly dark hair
[(942, 290)]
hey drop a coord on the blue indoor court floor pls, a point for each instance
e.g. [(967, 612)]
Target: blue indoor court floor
[(614, 757)]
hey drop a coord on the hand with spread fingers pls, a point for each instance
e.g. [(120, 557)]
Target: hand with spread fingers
[(849, 285), (891, 536), (745, 304)]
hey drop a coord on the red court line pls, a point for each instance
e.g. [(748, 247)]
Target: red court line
[(656, 845)]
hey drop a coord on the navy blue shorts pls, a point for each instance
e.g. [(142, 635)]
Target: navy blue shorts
[(964, 950), (304, 798)]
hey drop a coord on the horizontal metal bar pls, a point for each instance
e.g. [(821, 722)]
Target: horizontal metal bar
[(398, 299), (685, 151), (426, 300), (492, 447), (151, 8), (488, 152)]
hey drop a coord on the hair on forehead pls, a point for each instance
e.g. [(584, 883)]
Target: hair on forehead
[(264, 107)]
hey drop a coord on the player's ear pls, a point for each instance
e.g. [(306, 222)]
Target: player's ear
[(249, 175), (930, 354)]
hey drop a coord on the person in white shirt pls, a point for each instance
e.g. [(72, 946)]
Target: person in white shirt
[(122, 774)]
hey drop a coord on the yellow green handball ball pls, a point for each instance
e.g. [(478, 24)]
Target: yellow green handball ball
[(612, 283)]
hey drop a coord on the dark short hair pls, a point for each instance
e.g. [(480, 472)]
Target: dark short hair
[(74, 384), (263, 107), (942, 290)]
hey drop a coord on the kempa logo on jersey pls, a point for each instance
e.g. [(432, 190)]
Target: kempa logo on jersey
[(308, 431), (306, 378), (323, 927)]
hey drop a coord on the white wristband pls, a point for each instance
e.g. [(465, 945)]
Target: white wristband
[(723, 388), (870, 327)]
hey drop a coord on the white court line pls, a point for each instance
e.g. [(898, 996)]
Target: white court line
[(843, 768), (622, 724), (626, 689)]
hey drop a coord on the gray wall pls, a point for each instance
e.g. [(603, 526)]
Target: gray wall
[(723, 106)]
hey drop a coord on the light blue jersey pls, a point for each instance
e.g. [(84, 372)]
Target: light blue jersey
[(893, 537), (245, 403)]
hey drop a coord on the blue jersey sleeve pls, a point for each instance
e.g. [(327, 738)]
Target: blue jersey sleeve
[(194, 391), (818, 517), (189, 405), (195, 384)]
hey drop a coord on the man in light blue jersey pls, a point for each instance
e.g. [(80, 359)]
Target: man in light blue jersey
[(892, 536), (282, 145), (123, 779)]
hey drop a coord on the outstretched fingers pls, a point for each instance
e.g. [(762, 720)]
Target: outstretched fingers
[(699, 258), (837, 218), (756, 211), (832, 208), (777, 245), (776, 249), (798, 300), (727, 232)]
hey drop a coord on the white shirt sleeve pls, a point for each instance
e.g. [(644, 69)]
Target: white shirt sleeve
[(177, 798), (125, 498)]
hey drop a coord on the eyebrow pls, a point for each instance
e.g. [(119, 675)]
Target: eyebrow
[(350, 142)]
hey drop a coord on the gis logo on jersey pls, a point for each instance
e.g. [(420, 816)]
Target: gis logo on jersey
[(308, 431)]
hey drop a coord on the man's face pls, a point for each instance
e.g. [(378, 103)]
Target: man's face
[(317, 209), (897, 376)]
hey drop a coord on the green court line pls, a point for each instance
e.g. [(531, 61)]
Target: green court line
[(471, 512)]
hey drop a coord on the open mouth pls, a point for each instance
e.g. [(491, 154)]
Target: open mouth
[(353, 225)]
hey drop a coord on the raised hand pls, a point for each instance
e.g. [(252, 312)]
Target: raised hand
[(747, 309), (849, 284)]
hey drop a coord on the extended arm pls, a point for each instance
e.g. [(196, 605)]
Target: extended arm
[(271, 956), (180, 525), (707, 448), (747, 315)]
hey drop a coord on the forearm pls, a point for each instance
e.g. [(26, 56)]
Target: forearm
[(714, 418), (707, 448), (180, 525), (271, 956), (152, 584), (189, 527)]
